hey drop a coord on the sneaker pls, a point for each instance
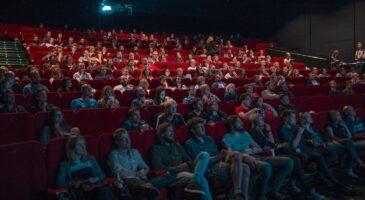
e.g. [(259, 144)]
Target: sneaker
[(315, 195), (194, 188)]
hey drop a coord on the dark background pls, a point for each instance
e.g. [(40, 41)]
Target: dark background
[(310, 26)]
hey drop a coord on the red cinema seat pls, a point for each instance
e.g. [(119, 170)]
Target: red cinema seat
[(179, 94), (94, 121), (20, 100), (23, 173), (360, 113), (298, 80), (149, 139), (184, 109), (319, 103), (16, 127), (220, 128), (275, 124), (56, 153), (151, 113), (96, 84), (119, 116), (302, 102), (337, 101), (126, 98), (359, 88), (228, 106), (52, 98), (322, 119), (299, 90), (313, 90)]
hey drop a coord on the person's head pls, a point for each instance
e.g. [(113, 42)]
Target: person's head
[(289, 118), (204, 89), (55, 116), (134, 114), (249, 88), (67, 84), (139, 92), (288, 55), (170, 106), (8, 97), (165, 132), (192, 91), (270, 85), (332, 84), (348, 84), (334, 116), (81, 67), (245, 100), (35, 77), (358, 45), (234, 123), (230, 88), (200, 80), (9, 77), (41, 96), (76, 147), (86, 90), (257, 121), (160, 94), (284, 99), (306, 118), (196, 127), (162, 80), (349, 111), (144, 84), (284, 86), (121, 138), (124, 80), (179, 72), (107, 93), (198, 104)]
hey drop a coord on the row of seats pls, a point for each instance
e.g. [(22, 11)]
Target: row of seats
[(95, 121), (22, 180)]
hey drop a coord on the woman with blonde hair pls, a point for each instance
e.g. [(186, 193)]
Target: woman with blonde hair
[(108, 99), (81, 173)]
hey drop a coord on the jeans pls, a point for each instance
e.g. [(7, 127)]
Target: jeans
[(282, 167), (200, 165), (347, 146)]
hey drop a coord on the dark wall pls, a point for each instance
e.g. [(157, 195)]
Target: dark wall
[(312, 26)]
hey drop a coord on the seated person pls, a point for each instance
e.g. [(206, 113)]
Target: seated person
[(239, 140), (85, 101), (244, 111), (266, 110), (81, 73), (40, 103), (56, 126), (355, 124), (134, 122), (108, 99), (9, 83), (286, 105), (177, 83), (217, 82), (127, 164), (123, 86), (82, 172), (269, 92), (160, 96), (312, 79), (284, 89), (8, 103), (190, 99), (230, 93), (170, 115), (292, 136), (170, 155), (333, 88), (34, 85), (221, 164), (140, 98), (213, 113), (102, 73), (206, 95), (262, 134), (348, 88), (198, 110), (66, 86)]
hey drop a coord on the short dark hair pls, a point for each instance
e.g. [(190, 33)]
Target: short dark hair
[(231, 120), (244, 96), (194, 121), (118, 132), (132, 110), (286, 114)]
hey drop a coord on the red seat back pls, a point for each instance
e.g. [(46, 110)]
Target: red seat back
[(319, 103), (94, 121), (23, 173), (16, 127)]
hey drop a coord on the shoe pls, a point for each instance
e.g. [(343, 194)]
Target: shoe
[(194, 188), (314, 195)]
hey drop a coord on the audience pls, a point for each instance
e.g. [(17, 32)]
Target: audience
[(140, 98), (269, 92), (124, 85), (81, 73), (108, 99), (170, 115), (40, 103), (85, 101), (134, 122), (230, 93), (9, 82), (213, 113), (8, 103), (198, 110), (34, 85)]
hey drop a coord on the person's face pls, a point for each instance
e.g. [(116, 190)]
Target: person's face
[(309, 119), (81, 68), (351, 111), (109, 92), (80, 147), (292, 121), (284, 87), (135, 116), (124, 80), (198, 105), (247, 102), (238, 126), (171, 109), (123, 141), (359, 45), (338, 116), (198, 130), (167, 72), (168, 135), (87, 91), (162, 94), (284, 100), (36, 78), (42, 96), (68, 84), (58, 117)]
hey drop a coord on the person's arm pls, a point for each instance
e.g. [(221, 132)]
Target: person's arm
[(347, 131), (99, 174), (156, 160), (272, 109), (63, 180), (244, 115), (254, 148), (298, 137), (116, 167), (142, 167)]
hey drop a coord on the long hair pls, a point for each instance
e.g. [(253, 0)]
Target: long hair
[(51, 120), (159, 89), (103, 97), (70, 147)]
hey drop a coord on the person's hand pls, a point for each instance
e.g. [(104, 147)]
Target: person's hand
[(310, 142), (141, 173), (93, 179), (300, 130), (341, 123), (182, 167)]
